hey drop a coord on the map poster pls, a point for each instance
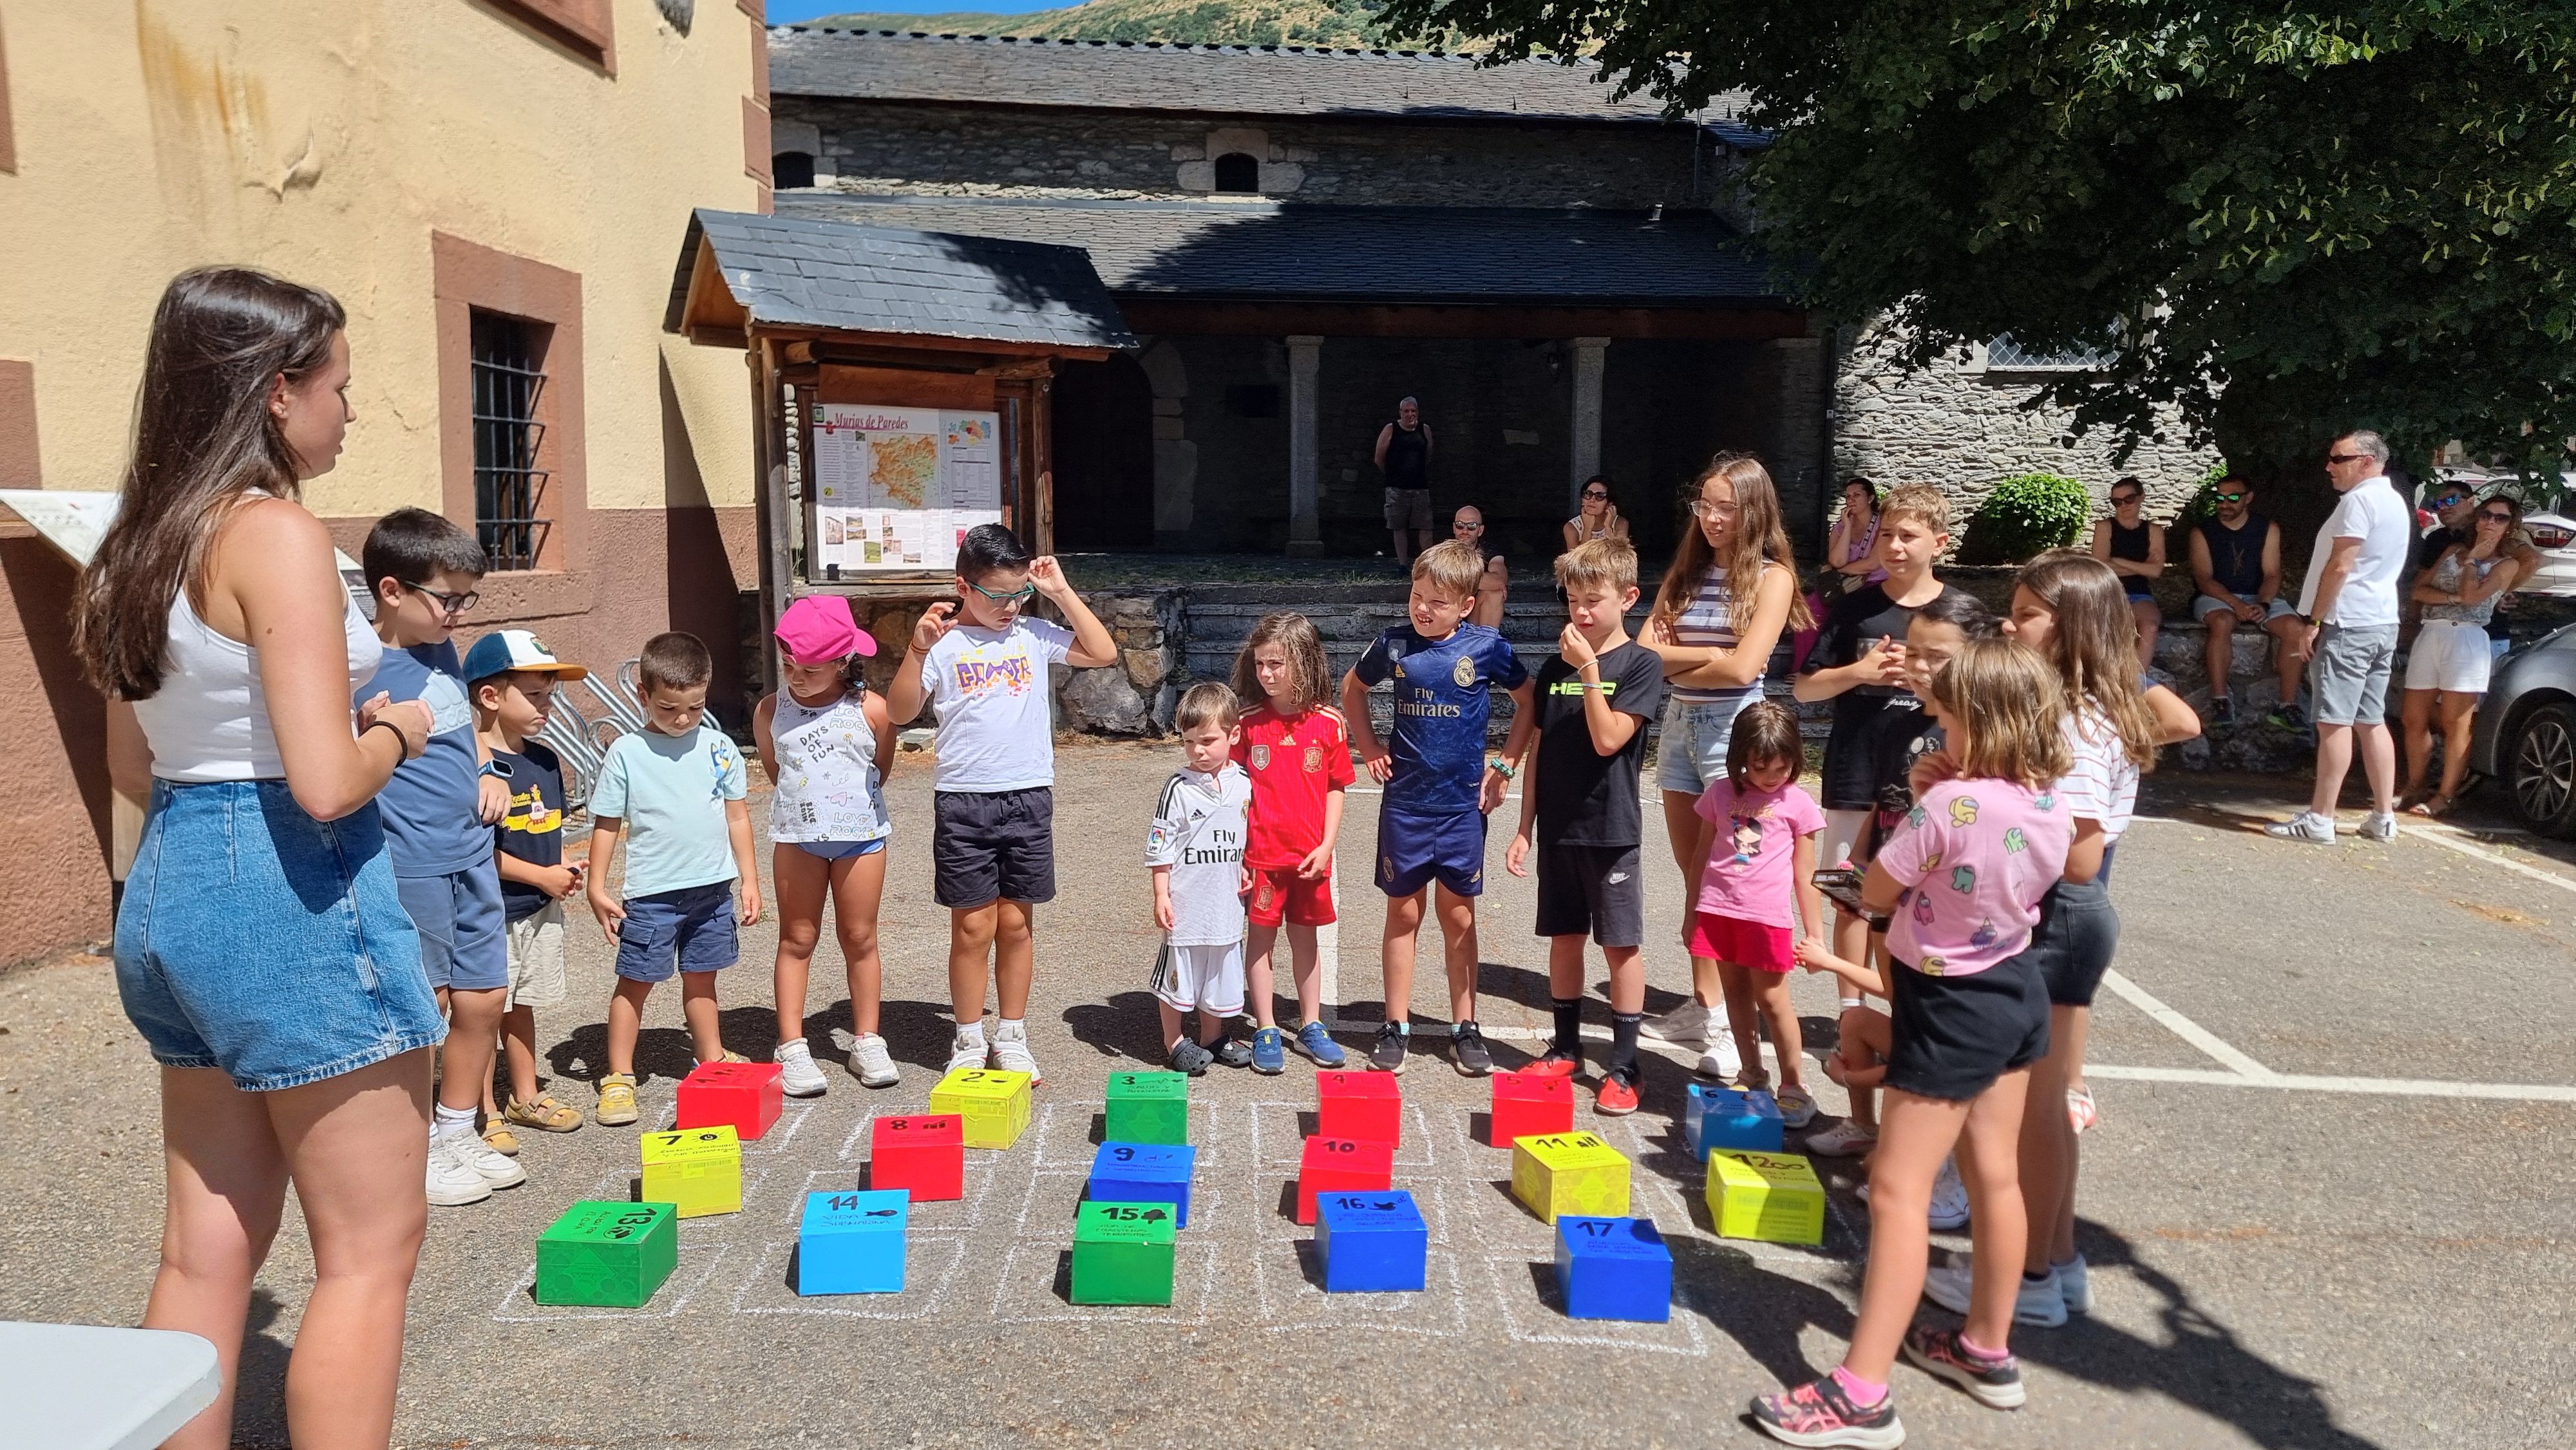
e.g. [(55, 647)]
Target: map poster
[(897, 488)]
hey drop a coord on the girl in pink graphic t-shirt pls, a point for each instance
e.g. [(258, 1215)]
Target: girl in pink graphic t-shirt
[(1962, 876), (1756, 886)]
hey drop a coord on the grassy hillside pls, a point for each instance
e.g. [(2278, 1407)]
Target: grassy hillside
[(1204, 22)]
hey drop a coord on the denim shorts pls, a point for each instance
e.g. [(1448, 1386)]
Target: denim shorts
[(691, 928), (463, 945), (837, 850), (258, 940), (1693, 748)]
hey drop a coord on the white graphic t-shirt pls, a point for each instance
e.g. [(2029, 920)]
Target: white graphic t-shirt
[(996, 719)]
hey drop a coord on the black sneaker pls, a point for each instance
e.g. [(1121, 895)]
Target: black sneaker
[(1231, 1051), (1475, 1059), (2222, 709), (2289, 716), (1189, 1057), (1387, 1053)]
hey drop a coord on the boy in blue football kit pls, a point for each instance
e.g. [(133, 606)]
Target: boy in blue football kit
[(1439, 783)]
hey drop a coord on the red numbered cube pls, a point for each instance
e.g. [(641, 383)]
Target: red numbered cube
[(1359, 1105), (1341, 1165), (924, 1153), (1527, 1105), (744, 1094)]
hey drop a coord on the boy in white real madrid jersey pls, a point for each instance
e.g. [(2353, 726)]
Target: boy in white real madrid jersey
[(1196, 851)]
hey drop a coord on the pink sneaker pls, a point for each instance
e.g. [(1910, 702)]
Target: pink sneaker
[(1820, 1413)]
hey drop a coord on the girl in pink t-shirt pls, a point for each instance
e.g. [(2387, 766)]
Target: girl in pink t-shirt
[(1962, 876), (1757, 883)]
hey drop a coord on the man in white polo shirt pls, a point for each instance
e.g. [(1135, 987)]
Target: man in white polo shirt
[(2348, 619)]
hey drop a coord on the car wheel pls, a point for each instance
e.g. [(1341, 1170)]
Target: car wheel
[(2540, 775)]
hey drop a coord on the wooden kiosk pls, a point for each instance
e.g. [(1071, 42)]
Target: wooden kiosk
[(901, 392)]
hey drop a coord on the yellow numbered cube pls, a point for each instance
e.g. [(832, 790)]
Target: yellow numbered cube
[(1569, 1173), (1773, 1197), (993, 1104), (698, 1170)]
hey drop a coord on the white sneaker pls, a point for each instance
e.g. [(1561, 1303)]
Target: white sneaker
[(1949, 1198), (497, 1169), (2306, 826), (453, 1182), (870, 1063), (964, 1051), (2041, 1303), (1721, 1060), (2074, 1285), (2377, 827), (1843, 1140), (1011, 1050), (798, 1077), (1687, 1024)]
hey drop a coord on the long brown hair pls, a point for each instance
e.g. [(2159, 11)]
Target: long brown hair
[(2094, 646), (1308, 679), (203, 439), (1758, 536), (2007, 702)]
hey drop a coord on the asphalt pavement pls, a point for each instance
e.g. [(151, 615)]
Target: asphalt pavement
[(2327, 1204)]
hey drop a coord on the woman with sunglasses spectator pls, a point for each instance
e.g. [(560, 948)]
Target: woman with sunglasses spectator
[(2134, 546), (1598, 517), (2446, 670), (1851, 550)]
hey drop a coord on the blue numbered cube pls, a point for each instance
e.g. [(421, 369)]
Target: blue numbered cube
[(852, 1242), (1721, 1117), (1613, 1268), (1145, 1173), (1371, 1242)]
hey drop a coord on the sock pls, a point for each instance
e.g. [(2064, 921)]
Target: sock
[(1979, 1351), (1404, 1029), (1009, 1026), (970, 1034), (1569, 1027), (1623, 1043), (792, 1047), (1864, 1393), (450, 1122), (2041, 1277)]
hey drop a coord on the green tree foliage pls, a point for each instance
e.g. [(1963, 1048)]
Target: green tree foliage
[(2025, 515), (2294, 216)]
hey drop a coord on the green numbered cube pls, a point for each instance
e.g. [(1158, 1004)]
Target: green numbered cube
[(1122, 1253), (1149, 1107), (608, 1255)]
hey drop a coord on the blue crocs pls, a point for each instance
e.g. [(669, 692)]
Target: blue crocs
[(1316, 1043), (1269, 1052)]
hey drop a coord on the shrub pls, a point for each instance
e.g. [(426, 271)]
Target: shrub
[(2026, 515), (2204, 500)]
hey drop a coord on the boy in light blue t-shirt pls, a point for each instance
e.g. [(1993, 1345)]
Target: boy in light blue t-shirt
[(674, 794)]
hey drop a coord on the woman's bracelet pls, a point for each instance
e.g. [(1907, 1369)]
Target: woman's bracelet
[(402, 742)]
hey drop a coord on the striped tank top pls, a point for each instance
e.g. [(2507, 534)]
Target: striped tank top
[(1707, 624)]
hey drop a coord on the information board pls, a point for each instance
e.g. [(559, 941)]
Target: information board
[(896, 488)]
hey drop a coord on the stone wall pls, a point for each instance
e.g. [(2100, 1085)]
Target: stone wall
[(1962, 426), (953, 150)]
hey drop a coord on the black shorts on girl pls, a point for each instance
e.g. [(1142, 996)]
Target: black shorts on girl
[(2073, 943), (1951, 1037)]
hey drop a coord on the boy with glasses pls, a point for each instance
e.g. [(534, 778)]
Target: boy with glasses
[(984, 666), (439, 811), (2236, 562)]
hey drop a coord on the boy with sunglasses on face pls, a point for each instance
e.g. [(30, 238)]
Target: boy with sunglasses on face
[(439, 810), (982, 664)]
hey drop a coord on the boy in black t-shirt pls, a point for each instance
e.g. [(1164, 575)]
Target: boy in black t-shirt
[(1579, 804), (511, 678)]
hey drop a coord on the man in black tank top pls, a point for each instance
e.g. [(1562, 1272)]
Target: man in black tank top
[(1404, 456), (2236, 562)]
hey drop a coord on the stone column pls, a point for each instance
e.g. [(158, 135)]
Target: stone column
[(1587, 416), (1305, 531)]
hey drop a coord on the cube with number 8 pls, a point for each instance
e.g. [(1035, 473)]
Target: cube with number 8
[(923, 1154)]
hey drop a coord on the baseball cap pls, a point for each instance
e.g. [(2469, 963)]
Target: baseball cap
[(505, 650), (818, 627)]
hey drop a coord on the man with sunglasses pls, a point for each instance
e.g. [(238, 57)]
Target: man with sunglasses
[(2348, 618), (2236, 561), (1493, 587)]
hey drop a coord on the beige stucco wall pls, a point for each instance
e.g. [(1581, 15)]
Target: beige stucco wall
[(326, 140)]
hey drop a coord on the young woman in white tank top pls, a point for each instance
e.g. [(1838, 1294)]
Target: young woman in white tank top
[(826, 744)]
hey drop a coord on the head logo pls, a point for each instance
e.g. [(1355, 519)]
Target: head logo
[(1464, 672), (1261, 757)]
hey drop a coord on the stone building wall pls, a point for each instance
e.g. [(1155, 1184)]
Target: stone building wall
[(874, 146)]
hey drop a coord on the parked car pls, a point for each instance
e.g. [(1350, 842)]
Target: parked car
[(2526, 734), (2554, 535)]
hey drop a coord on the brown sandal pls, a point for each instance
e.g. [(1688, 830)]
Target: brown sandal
[(2433, 806)]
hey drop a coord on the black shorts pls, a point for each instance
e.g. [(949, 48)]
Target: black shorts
[(2072, 945), (1592, 889), (1953, 1036), (988, 846)]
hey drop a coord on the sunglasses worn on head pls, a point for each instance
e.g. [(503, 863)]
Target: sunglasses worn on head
[(1016, 596)]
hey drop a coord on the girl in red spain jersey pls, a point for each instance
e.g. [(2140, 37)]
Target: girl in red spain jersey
[(1298, 753)]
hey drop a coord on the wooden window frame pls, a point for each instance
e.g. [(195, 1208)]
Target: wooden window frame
[(8, 135), (588, 28), (465, 278)]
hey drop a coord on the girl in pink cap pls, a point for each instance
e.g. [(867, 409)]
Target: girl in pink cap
[(825, 742)]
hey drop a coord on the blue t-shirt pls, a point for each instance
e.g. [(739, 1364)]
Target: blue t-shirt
[(1440, 710), (429, 806), (671, 790)]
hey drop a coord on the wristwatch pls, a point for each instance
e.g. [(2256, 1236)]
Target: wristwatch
[(497, 769)]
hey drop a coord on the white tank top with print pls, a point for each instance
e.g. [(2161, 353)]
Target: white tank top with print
[(826, 769)]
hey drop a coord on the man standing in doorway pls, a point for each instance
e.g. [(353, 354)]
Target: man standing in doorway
[(1493, 587), (2348, 619), (1404, 456)]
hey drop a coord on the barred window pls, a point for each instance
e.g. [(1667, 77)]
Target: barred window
[(509, 440), (2005, 355)]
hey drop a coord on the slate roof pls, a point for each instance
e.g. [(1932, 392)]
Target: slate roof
[(826, 272), (1234, 80), (1283, 251)]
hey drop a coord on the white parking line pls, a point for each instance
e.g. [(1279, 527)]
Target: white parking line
[(2189, 1031), (2451, 839)]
